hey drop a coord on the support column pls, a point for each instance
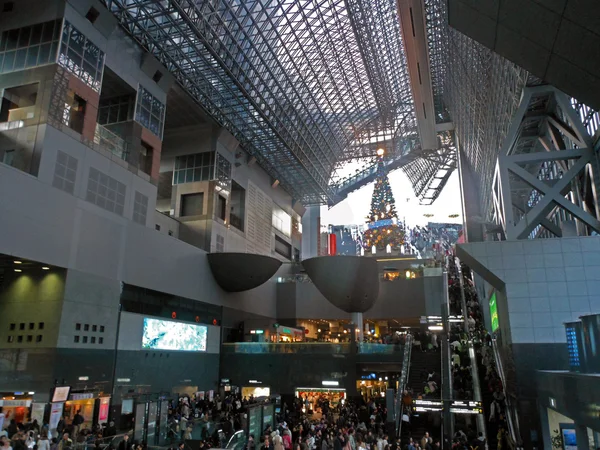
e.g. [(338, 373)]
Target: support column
[(357, 320), (311, 232), (470, 200), (583, 442)]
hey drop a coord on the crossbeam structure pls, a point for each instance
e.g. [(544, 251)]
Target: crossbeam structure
[(546, 174), (302, 84)]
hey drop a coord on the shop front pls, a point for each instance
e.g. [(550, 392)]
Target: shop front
[(371, 389), (256, 389), (17, 406), (289, 334), (313, 399), (93, 407)]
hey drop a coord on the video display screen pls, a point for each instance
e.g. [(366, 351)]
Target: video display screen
[(167, 335), (61, 394)]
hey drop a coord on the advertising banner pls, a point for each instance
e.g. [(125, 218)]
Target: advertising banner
[(56, 411), (494, 313)]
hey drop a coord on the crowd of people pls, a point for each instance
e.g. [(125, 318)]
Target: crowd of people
[(474, 331)]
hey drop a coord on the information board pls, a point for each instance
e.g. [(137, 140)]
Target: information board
[(268, 416), (255, 422), (466, 407)]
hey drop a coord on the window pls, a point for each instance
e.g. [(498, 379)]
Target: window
[(150, 112), (13, 326), (93, 340), (31, 46), (282, 221), (21, 326), (106, 192), (157, 76), (19, 339), (116, 109), (85, 339), (170, 233), (220, 244), (8, 157), (145, 160), (74, 114), (11, 339), (76, 339), (192, 204), (41, 326), (221, 207), (198, 167), (100, 340), (94, 328), (157, 227), (65, 171), (140, 208), (86, 327), (92, 14), (38, 338), (31, 325), (77, 326), (29, 338), (81, 57), (223, 174), (101, 328), (237, 206), (283, 248)]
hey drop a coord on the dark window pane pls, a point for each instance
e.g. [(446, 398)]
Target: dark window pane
[(3, 41), (48, 31), (44, 56), (12, 39), (9, 61), (36, 34), (20, 59), (32, 54), (24, 36)]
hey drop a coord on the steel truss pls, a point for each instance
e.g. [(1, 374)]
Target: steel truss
[(546, 173), (302, 84)]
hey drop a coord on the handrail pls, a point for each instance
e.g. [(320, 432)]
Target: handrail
[(472, 355), (513, 426), (403, 381)]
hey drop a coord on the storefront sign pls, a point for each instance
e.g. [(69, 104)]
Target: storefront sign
[(257, 331), (15, 403), (103, 411), (56, 411), (82, 396)]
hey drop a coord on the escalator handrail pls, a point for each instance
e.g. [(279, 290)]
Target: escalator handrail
[(403, 381)]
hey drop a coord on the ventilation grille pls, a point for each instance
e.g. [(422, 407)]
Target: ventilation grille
[(140, 208), (65, 172), (106, 192)]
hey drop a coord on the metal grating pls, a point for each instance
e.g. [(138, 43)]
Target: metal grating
[(302, 84)]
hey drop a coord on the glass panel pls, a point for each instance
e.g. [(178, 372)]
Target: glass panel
[(9, 61), (32, 54), (189, 177), (3, 41), (24, 36), (20, 59), (36, 35), (197, 174), (48, 31), (44, 56), (13, 38)]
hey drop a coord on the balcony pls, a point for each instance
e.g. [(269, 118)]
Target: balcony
[(111, 142)]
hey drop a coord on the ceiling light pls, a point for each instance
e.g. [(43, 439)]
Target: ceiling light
[(18, 270), (380, 152), (45, 268), (18, 262)]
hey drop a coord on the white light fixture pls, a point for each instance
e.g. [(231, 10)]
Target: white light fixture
[(31, 393), (18, 270), (380, 379), (435, 327), (386, 378), (373, 250), (388, 249), (330, 383), (123, 380), (18, 262), (86, 378), (254, 382), (45, 268), (380, 151)]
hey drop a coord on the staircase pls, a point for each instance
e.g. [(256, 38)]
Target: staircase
[(420, 364)]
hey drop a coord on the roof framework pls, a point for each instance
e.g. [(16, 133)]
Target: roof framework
[(302, 84)]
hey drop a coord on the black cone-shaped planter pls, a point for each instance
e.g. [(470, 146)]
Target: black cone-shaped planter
[(349, 282), (238, 272)]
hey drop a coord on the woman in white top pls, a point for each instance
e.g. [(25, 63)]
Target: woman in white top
[(43, 443)]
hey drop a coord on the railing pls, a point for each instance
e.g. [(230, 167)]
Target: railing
[(512, 415), (292, 347), (402, 383), (111, 142), (321, 348)]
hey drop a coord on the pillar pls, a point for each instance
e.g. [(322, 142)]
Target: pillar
[(471, 206), (311, 232), (583, 442), (357, 320)]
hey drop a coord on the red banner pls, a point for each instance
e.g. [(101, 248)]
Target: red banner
[(332, 245)]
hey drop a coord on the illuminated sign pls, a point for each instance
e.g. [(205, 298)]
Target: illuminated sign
[(466, 407), (494, 312), (257, 331), (427, 405)]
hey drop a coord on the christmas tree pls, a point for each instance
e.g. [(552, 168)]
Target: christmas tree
[(383, 227)]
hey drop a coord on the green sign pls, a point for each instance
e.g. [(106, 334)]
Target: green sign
[(268, 417), (255, 422), (276, 325), (494, 312)]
